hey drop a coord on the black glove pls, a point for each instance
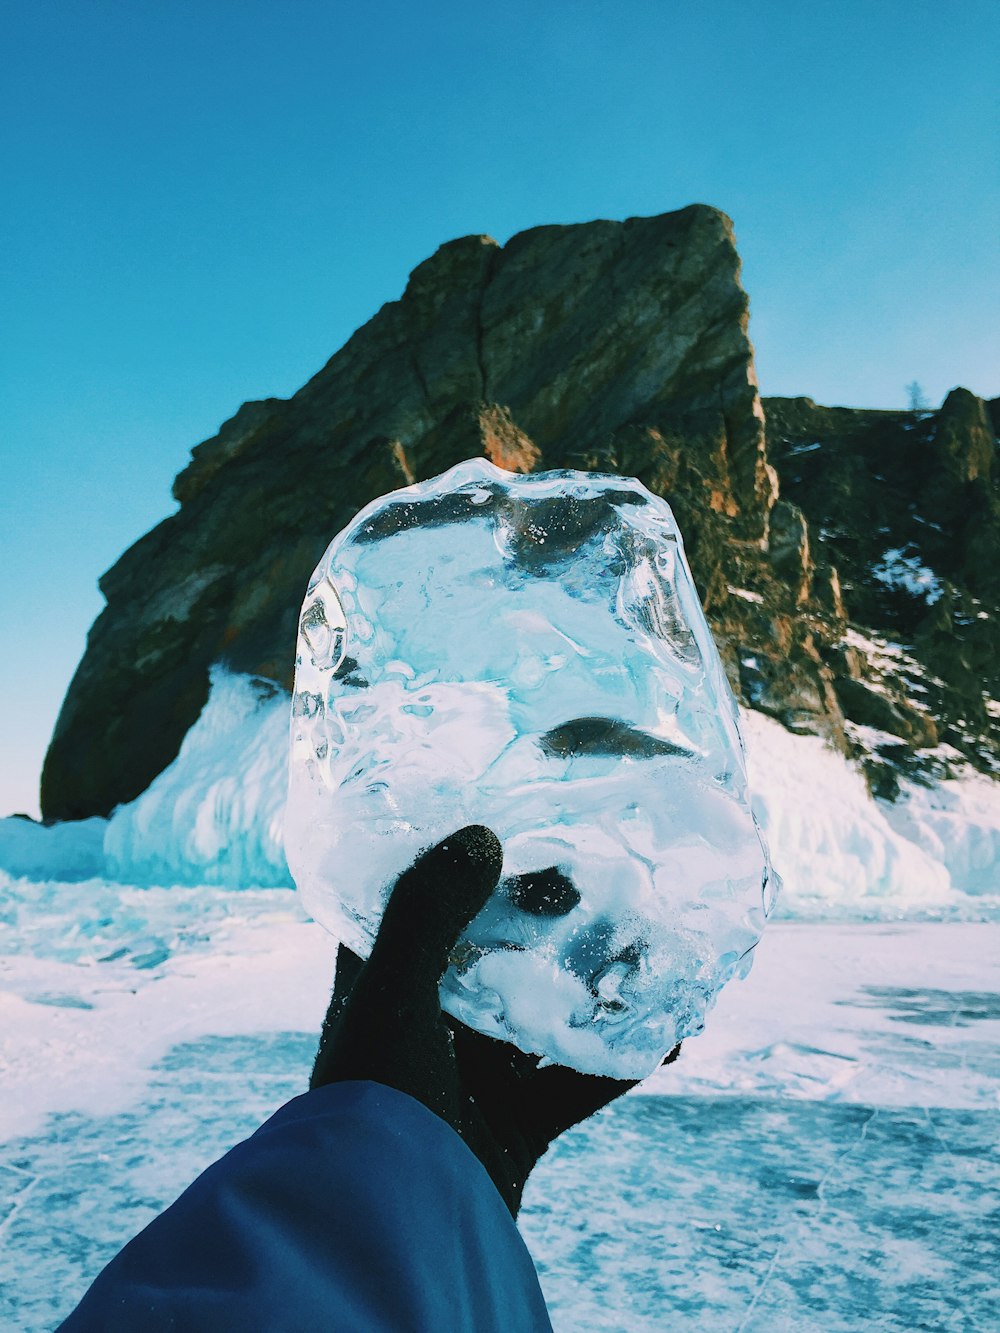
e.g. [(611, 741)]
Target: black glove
[(385, 1023)]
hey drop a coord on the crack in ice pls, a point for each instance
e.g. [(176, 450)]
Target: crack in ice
[(821, 1195)]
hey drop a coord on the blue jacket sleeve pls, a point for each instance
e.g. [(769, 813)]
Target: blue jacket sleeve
[(353, 1208)]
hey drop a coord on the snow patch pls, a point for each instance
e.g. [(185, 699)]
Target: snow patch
[(831, 842), (898, 570), (957, 822), (215, 816), (863, 999), (843, 854), (98, 981)]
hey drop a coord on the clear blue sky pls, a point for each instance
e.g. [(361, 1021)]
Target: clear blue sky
[(203, 198)]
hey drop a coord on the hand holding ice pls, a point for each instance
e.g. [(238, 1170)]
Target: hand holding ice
[(529, 653)]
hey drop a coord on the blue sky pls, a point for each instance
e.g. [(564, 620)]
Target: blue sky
[(203, 200)]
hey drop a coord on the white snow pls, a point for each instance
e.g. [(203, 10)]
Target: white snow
[(98, 977), (841, 854), (957, 823), (896, 569), (98, 981), (107, 988), (884, 654), (215, 815), (904, 1014)]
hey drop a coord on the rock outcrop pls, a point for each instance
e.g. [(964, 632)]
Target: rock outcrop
[(906, 507), (620, 346)]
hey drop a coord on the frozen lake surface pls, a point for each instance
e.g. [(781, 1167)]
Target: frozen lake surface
[(732, 1213), (715, 1213), (823, 1157)]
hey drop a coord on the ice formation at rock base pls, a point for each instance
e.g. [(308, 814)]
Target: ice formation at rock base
[(529, 653)]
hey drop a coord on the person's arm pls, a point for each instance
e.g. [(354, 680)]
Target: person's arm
[(384, 1197), (353, 1209)]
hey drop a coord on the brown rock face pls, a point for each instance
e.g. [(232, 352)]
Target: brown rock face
[(566, 343), (905, 506), (620, 346), (964, 438)]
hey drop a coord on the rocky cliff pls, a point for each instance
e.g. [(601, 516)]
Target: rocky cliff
[(616, 346), (906, 506)]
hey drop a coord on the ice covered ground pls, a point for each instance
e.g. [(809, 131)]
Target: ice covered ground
[(823, 1157)]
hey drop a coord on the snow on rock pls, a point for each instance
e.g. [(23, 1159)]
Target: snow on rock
[(958, 824), (840, 853), (215, 815), (896, 569)]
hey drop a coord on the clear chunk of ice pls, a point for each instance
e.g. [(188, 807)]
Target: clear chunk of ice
[(529, 653)]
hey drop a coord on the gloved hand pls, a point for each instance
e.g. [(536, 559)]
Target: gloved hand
[(385, 1023)]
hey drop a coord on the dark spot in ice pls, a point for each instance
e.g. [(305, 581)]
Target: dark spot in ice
[(264, 689), (606, 736), (434, 511), (550, 534), (543, 892), (542, 534), (593, 950), (347, 674)]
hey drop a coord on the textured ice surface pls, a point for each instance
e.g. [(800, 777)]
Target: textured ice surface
[(767, 1193), (827, 1161), (530, 653)]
